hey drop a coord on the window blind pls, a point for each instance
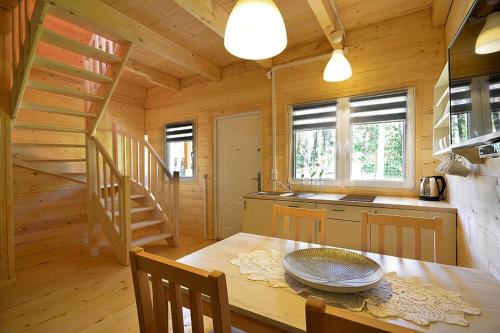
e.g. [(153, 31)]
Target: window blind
[(379, 108), (314, 116), (179, 132), (494, 88), (460, 96)]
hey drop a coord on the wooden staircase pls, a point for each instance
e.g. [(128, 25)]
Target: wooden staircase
[(58, 103), (133, 198)]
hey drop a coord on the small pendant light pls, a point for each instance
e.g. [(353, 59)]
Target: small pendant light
[(338, 67), (255, 30), (488, 40)]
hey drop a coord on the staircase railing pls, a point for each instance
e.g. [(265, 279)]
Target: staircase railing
[(138, 160), (25, 34), (108, 200)]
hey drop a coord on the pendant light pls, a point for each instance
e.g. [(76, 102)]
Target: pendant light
[(338, 67), (488, 40), (255, 30)]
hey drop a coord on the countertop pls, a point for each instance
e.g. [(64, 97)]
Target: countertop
[(380, 201)]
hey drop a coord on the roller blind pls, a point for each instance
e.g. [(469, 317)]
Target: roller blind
[(379, 108), (314, 116), (179, 132), (494, 88), (460, 96)]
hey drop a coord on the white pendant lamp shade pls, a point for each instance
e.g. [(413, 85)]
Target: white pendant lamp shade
[(338, 68), (255, 30), (488, 40)]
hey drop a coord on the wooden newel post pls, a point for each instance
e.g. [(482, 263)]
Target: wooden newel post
[(126, 219), (175, 208), (92, 195)]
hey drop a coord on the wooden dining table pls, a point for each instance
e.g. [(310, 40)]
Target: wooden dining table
[(257, 307)]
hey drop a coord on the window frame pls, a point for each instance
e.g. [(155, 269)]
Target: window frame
[(191, 122), (343, 147), (291, 151)]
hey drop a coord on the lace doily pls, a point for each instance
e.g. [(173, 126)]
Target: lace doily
[(395, 296)]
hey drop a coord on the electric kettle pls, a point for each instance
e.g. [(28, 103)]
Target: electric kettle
[(432, 188)]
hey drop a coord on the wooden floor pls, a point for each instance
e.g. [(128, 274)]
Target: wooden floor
[(60, 288)]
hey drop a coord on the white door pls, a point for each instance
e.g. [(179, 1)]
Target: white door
[(238, 164)]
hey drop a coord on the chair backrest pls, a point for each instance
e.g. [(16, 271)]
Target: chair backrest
[(152, 310), (309, 215), (327, 319), (400, 222)]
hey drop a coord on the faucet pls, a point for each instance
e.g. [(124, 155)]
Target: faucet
[(287, 188)]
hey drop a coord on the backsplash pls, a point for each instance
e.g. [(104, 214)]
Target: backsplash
[(477, 198)]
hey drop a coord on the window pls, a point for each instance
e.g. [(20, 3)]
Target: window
[(378, 126), (180, 148), (494, 101), (314, 137), (460, 110), (357, 141)]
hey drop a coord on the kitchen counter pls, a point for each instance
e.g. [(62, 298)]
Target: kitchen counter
[(380, 201)]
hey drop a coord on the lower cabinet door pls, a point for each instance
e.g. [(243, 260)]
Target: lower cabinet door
[(427, 240), (344, 234), (257, 216)]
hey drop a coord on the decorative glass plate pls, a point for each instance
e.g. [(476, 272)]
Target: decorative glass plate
[(333, 270)]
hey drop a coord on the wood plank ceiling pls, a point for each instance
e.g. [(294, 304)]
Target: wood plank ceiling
[(175, 23)]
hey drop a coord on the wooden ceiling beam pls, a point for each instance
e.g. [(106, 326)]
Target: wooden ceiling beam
[(440, 10), (153, 76), (214, 16), (98, 17), (325, 15)]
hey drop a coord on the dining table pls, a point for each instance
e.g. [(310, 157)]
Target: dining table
[(258, 307)]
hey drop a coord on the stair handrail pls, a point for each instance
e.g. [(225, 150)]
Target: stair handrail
[(112, 216), (138, 159)]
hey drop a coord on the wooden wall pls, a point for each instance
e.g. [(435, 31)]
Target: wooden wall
[(476, 197), (397, 53), (6, 222)]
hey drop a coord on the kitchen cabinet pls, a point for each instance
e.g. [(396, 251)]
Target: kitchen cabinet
[(449, 231), (257, 217), (343, 226)]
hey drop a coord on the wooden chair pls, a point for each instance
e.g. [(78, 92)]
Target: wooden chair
[(153, 311), (327, 319), (400, 222), (304, 213)]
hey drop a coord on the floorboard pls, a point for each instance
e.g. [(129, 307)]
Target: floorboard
[(60, 288)]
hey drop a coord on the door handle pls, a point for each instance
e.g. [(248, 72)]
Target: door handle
[(258, 179)]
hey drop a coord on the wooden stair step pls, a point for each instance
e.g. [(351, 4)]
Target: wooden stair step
[(70, 92), (46, 145), (62, 160), (67, 43), (60, 67), (137, 210), (45, 127), (53, 109), (149, 239), (137, 196), (145, 224)]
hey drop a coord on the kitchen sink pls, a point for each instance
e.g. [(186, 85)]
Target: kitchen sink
[(358, 198)]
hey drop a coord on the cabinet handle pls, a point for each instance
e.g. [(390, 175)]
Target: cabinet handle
[(294, 206), (338, 210)]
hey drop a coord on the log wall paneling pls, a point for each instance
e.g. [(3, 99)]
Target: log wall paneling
[(416, 59), (476, 197)]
